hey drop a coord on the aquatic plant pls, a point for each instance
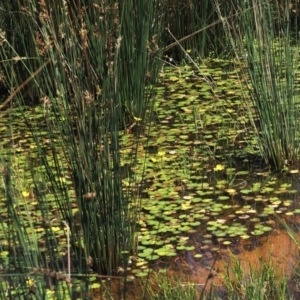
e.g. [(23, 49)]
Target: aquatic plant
[(268, 43), (94, 79), (87, 169), (164, 286), (256, 283), (272, 65)]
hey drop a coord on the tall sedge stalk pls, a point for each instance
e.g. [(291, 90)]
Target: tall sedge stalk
[(185, 19), (272, 64), (96, 85), (266, 36), (262, 283)]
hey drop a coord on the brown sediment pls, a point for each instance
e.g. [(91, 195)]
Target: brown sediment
[(277, 250)]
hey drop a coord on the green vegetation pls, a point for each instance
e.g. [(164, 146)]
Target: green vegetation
[(269, 42), (262, 283), (167, 287), (258, 284), (90, 68), (117, 166)]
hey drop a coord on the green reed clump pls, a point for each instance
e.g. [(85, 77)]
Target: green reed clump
[(239, 282), (272, 66), (94, 82), (268, 40), (163, 286), (262, 283), (29, 262), (196, 25)]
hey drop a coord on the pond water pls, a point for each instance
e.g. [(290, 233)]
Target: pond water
[(205, 191), (276, 249), (207, 187), (208, 191)]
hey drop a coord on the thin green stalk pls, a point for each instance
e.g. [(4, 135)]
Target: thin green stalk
[(93, 73)]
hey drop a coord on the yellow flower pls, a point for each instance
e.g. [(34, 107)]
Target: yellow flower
[(161, 153), (25, 194), (231, 191), (30, 282), (186, 205), (219, 167)]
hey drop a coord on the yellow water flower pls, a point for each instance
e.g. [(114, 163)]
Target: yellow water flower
[(231, 191), (25, 194), (186, 205), (219, 167), (30, 282), (161, 153)]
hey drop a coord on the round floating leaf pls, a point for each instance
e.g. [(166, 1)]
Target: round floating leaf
[(140, 263), (187, 197), (232, 235), (219, 233), (198, 255), (245, 191), (207, 242), (211, 228), (215, 249), (221, 221), (254, 220), (215, 209), (222, 198), (184, 228), (267, 190), (231, 191), (196, 200), (289, 213), (194, 224), (245, 236), (244, 217), (95, 285), (257, 232), (226, 242), (266, 228), (227, 206), (190, 248), (182, 247), (287, 203), (153, 257), (141, 274), (208, 200), (205, 247)]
